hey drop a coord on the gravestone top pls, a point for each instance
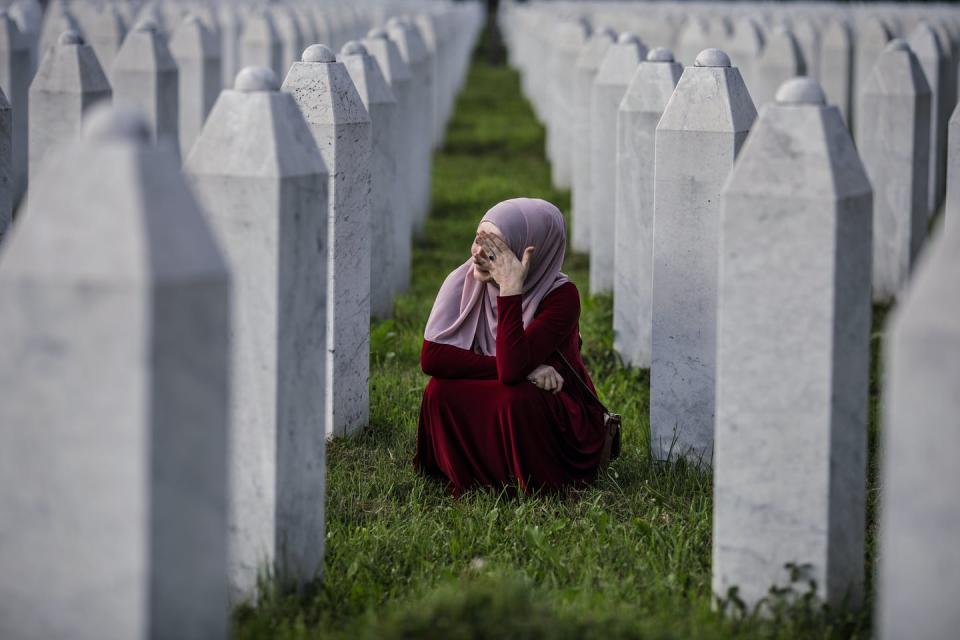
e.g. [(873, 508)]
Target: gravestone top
[(801, 90), (353, 48), (251, 79), (897, 44), (628, 38), (106, 122), (70, 37), (377, 33), (147, 24), (192, 18), (660, 54), (318, 53), (712, 58), (606, 32)]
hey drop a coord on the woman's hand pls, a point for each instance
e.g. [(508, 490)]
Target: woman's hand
[(546, 377), (497, 258)]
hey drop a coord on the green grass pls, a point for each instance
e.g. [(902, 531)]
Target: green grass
[(627, 558)]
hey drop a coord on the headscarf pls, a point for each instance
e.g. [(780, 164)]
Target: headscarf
[(465, 312)]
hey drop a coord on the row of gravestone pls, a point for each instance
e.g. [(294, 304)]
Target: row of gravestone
[(748, 250), (179, 341)]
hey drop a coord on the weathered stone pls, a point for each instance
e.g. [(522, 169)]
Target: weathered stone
[(69, 80), (15, 76), (587, 64), (144, 76), (640, 110), (808, 39), (780, 60), (397, 74), (925, 44), (259, 175), (613, 77), (871, 37), (698, 138), (260, 44), (114, 303), (103, 29), (836, 66), (382, 107), (56, 19), (340, 125), (953, 169), (919, 562), (895, 146), (197, 55), (793, 352)]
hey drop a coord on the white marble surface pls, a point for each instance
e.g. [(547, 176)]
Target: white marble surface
[(197, 54), (836, 65), (260, 44), (952, 205), (926, 46), (15, 76), (780, 60)]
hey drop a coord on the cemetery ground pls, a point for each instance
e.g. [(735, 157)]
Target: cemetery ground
[(626, 558)]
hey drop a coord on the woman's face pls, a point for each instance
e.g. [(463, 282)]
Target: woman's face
[(480, 274)]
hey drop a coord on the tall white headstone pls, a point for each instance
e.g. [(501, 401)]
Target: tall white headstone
[(260, 44), (15, 76), (895, 146), (197, 54), (793, 352), (569, 38), (113, 475), (640, 110), (340, 125), (871, 35), (698, 138), (953, 168), (836, 65), (745, 49), (925, 44), (780, 60)]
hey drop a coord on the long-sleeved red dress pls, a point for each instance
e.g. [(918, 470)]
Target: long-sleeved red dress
[(482, 423)]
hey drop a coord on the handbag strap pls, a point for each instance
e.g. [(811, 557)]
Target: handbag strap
[(583, 384)]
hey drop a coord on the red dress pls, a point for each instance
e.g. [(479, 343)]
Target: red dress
[(482, 423)]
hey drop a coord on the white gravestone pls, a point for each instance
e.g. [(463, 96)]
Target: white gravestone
[(613, 78), (69, 80), (836, 65), (104, 30), (919, 560), (780, 60), (569, 38), (698, 138), (15, 76), (290, 32), (926, 46), (586, 66), (953, 168), (382, 107), (113, 507), (397, 74), (260, 44), (793, 352), (144, 76), (6, 165), (895, 146), (197, 54), (340, 125), (745, 49), (271, 220), (640, 111), (871, 36), (231, 33)]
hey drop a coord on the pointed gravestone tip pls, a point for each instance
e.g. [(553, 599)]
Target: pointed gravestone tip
[(801, 90), (377, 33), (393, 22), (108, 122), (147, 24), (353, 48), (318, 53), (660, 54), (712, 58), (70, 37), (607, 32), (628, 38), (897, 44), (251, 79)]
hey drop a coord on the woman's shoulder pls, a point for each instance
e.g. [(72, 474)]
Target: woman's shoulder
[(566, 295)]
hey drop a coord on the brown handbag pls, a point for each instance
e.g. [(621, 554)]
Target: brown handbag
[(611, 421)]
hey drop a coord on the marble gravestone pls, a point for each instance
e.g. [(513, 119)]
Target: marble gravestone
[(260, 44), (397, 74), (793, 352), (197, 54), (925, 44), (780, 60), (28, 15), (919, 562), (569, 37), (952, 206), (15, 76), (745, 49), (895, 146), (382, 107), (836, 65), (586, 66), (697, 139), (807, 33), (69, 80), (230, 22), (340, 124), (259, 175), (693, 38), (113, 481), (871, 35), (640, 110), (104, 29), (6, 165), (613, 77), (290, 32), (144, 76)]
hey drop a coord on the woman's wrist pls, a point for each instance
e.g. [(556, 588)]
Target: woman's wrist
[(510, 289)]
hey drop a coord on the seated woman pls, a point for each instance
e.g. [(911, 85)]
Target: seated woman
[(502, 408)]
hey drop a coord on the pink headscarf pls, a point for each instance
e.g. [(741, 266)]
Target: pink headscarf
[(465, 312)]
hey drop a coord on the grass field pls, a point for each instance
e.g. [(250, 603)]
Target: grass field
[(628, 558)]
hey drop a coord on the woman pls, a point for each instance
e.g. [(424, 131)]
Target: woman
[(502, 407)]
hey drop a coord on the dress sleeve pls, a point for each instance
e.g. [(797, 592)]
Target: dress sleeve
[(446, 361), (519, 350)]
